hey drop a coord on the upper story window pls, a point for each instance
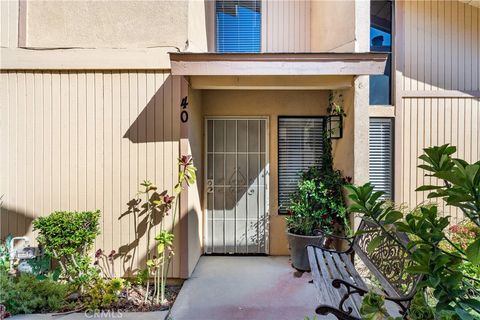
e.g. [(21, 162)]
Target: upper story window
[(381, 41), (238, 25)]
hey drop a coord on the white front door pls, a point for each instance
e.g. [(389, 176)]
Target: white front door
[(236, 187)]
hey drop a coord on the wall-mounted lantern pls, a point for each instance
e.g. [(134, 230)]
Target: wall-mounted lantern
[(335, 126)]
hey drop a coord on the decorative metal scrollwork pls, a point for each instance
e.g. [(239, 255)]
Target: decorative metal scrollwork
[(390, 259)]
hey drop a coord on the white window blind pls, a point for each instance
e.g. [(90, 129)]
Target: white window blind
[(238, 25), (381, 155), (299, 148)]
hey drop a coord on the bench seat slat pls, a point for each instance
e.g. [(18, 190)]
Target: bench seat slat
[(317, 278), (347, 276), (353, 272), (334, 270), (326, 277)]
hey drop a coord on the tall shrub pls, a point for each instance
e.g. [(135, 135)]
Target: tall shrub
[(68, 237)]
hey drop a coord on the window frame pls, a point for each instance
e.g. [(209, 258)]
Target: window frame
[(213, 28)]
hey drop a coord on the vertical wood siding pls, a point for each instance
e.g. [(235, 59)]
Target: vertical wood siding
[(434, 121), (286, 26), (441, 52), (441, 45), (9, 23), (85, 141)]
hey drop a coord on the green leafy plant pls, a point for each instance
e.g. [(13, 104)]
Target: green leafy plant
[(162, 204), (68, 237), (419, 308), (373, 307), (5, 253), (27, 294), (455, 292), (102, 293), (319, 202)]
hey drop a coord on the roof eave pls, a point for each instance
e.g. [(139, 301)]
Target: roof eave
[(251, 64)]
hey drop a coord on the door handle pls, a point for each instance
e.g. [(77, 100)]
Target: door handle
[(251, 191)]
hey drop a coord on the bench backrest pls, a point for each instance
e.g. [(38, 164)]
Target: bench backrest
[(387, 261)]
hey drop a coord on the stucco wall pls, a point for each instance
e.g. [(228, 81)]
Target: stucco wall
[(195, 213), (332, 26), (97, 24)]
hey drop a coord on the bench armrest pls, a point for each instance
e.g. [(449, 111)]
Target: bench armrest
[(354, 289)]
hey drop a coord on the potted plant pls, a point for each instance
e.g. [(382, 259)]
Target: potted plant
[(317, 208)]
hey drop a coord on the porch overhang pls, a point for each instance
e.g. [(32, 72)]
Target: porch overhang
[(277, 64)]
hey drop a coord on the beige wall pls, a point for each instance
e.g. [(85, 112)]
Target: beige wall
[(438, 87), (333, 26), (195, 193), (85, 141), (101, 24), (287, 26)]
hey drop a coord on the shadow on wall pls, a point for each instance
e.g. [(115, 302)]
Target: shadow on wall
[(15, 223), (444, 67), (155, 123), (137, 210)]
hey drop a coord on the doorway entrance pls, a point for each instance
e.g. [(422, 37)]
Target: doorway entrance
[(236, 186)]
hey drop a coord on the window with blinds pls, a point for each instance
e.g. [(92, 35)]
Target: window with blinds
[(381, 155), (299, 148), (238, 25)]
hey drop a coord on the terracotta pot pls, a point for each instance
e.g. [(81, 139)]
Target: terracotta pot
[(297, 245)]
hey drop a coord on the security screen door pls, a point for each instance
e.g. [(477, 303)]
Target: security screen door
[(236, 188)]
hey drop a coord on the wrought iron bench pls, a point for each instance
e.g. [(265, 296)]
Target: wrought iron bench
[(341, 287)]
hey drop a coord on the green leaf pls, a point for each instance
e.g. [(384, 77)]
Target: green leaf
[(472, 303), (160, 247), (393, 216), (372, 245), (464, 315), (417, 269), (427, 188), (473, 252)]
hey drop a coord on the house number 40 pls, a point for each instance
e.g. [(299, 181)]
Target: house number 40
[(184, 113)]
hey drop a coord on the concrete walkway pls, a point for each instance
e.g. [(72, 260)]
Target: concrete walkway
[(156, 315), (245, 288)]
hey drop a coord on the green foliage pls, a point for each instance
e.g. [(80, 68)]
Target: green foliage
[(419, 308), (40, 265), (102, 293), (27, 294), (373, 307), (141, 277), (319, 203), (67, 237), (5, 253), (461, 186), (463, 235), (162, 204), (448, 266)]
